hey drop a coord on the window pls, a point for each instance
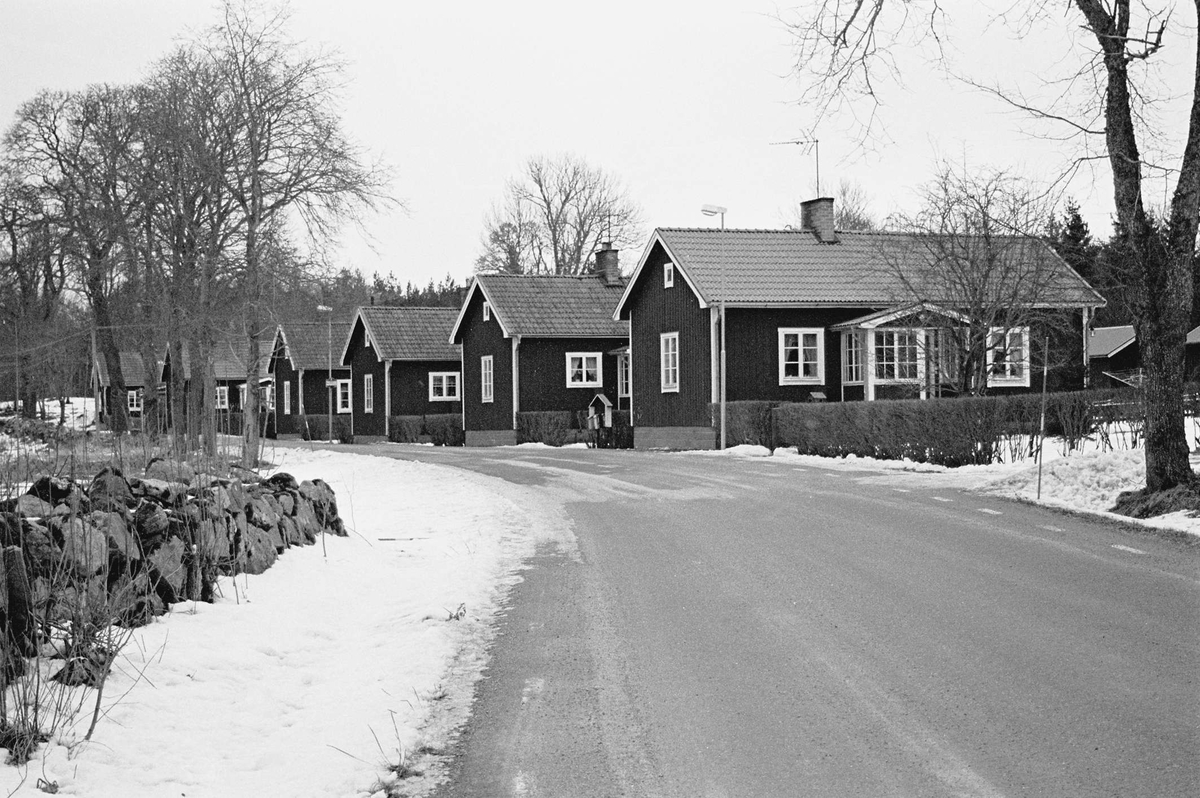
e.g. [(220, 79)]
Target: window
[(584, 370), (623, 375), (268, 392), (669, 362), (343, 396), (801, 355), (1008, 356), (896, 355), (222, 401), (242, 395), (443, 386), (133, 399), (287, 398), (852, 357), (368, 393), (668, 274), (485, 378), (487, 311)]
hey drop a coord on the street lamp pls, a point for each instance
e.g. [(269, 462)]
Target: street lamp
[(719, 210), (330, 382)]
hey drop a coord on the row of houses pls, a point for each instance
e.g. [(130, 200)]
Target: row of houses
[(793, 315)]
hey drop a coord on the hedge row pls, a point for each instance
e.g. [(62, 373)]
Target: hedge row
[(443, 429), (560, 427), (316, 428), (951, 432)]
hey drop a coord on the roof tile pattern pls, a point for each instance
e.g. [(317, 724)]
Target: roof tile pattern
[(132, 369), (1106, 341), (308, 343), (862, 268), (553, 306), (410, 333)]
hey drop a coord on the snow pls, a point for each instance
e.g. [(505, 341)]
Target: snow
[(312, 678), (344, 659)]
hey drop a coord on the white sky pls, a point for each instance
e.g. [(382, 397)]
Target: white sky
[(680, 101)]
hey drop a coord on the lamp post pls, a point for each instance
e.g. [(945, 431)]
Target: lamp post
[(330, 383), (719, 210)]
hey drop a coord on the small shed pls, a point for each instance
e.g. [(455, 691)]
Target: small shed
[(600, 411)]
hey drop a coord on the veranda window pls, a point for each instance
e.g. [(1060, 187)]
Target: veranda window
[(896, 355)]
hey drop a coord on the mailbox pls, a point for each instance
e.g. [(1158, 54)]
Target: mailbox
[(600, 412)]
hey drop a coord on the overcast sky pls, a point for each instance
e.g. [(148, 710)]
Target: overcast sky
[(679, 100)]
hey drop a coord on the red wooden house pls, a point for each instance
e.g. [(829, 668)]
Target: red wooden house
[(812, 314), (300, 356), (539, 343)]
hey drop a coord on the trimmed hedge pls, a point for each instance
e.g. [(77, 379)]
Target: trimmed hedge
[(316, 428), (551, 427), (950, 432), (443, 429)]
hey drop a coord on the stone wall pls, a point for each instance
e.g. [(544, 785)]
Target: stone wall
[(132, 546)]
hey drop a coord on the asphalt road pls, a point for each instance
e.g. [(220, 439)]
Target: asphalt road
[(741, 628)]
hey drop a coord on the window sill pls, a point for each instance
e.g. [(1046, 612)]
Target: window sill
[(443, 399), (584, 385)]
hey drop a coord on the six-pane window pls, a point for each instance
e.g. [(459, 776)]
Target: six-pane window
[(222, 402), (896, 355), (485, 378), (623, 375), (343, 396), (852, 357), (669, 362), (801, 355), (1008, 356), (584, 370), (134, 400), (443, 386)]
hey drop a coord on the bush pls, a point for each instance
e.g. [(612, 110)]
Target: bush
[(551, 427), (316, 428), (405, 429), (950, 432), (746, 423), (445, 430)]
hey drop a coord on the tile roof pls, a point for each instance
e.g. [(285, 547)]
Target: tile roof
[(410, 333), (1107, 341), (229, 360), (133, 369), (794, 267), (554, 306), (308, 343)]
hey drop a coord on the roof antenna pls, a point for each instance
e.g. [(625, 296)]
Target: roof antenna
[(816, 148)]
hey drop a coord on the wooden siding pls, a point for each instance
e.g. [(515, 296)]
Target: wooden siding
[(284, 375), (410, 388), (544, 372), (481, 338), (653, 310), (362, 360)]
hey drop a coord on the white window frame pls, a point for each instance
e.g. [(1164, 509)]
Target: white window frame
[(438, 384), (343, 395), (368, 393), (487, 375), (287, 397), (853, 360), (623, 376), (668, 362), (242, 395), (818, 363), (221, 402), (584, 382), (487, 311), (668, 274), (268, 394), (878, 362), (1011, 378), (133, 400)]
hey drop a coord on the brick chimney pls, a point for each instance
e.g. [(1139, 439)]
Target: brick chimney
[(607, 263), (816, 216)]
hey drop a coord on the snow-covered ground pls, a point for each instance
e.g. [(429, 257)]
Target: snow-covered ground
[(344, 659)]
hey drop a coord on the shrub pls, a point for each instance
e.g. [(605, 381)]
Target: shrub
[(551, 427), (445, 429), (746, 422), (405, 429), (316, 428)]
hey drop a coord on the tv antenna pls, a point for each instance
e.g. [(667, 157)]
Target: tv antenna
[(816, 148)]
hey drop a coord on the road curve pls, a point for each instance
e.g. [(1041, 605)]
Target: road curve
[(732, 627)]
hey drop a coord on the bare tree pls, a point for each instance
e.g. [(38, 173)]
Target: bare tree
[(846, 54), (292, 157), (972, 251), (555, 216)]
